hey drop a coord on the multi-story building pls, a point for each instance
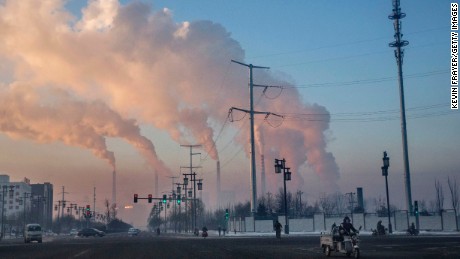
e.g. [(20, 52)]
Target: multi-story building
[(42, 204), (15, 196), (22, 201)]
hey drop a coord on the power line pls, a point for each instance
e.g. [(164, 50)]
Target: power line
[(352, 43), (367, 81), (370, 116), (354, 56)]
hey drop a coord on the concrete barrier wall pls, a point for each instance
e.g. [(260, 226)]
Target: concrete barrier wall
[(237, 224), (301, 225), (320, 223), (427, 222), (401, 220), (264, 226), (449, 221), (249, 224)]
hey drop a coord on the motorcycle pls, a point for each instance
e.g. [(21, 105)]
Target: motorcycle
[(204, 234), (382, 232), (346, 244), (412, 231)]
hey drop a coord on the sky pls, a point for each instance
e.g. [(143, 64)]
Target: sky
[(87, 87)]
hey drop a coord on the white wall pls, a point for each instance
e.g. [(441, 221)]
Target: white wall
[(320, 223)]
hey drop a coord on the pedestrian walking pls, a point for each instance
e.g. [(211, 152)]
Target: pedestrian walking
[(278, 228)]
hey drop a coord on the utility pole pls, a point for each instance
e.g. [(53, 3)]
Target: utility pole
[(191, 167), (251, 118), (399, 54), (61, 202)]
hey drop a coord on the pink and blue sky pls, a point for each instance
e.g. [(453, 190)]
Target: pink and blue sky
[(86, 86)]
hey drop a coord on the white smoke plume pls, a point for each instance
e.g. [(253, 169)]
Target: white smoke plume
[(53, 115), (142, 64)]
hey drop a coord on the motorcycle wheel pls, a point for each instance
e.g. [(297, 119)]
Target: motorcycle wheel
[(327, 251), (356, 253)]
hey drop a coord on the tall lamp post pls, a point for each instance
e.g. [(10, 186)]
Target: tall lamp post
[(386, 164), (280, 166)]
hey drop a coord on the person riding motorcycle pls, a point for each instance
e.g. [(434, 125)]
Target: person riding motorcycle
[(204, 232), (380, 228), (412, 230), (347, 227)]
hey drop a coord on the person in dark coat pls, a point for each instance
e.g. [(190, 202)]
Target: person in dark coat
[(347, 227), (380, 228), (278, 228)]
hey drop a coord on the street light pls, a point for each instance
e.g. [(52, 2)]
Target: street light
[(192, 191), (386, 164), (280, 166)]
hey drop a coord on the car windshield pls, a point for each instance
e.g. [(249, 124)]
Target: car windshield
[(34, 228)]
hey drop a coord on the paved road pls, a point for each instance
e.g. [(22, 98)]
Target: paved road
[(149, 246)]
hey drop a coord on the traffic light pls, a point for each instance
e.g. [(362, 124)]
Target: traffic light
[(226, 214), (150, 198), (164, 198), (416, 208), (135, 198), (178, 199), (88, 210)]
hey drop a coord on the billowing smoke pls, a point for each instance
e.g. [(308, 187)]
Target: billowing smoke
[(136, 63), (50, 115)]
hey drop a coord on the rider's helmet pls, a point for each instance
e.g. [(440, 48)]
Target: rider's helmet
[(346, 219)]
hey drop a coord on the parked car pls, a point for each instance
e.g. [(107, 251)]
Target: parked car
[(73, 232), (133, 231), (90, 232), (32, 232)]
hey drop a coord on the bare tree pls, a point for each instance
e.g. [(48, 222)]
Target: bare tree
[(280, 200), (439, 196), (327, 203), (454, 194), (270, 202)]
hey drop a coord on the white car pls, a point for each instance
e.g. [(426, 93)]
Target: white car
[(73, 232), (32, 232), (133, 231)]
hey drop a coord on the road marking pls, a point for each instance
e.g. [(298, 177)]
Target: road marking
[(81, 253)]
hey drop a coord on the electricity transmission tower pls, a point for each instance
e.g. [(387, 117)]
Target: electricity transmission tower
[(251, 118)]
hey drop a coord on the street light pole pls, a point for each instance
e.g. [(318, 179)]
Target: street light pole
[(200, 187), (386, 164), (281, 165)]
